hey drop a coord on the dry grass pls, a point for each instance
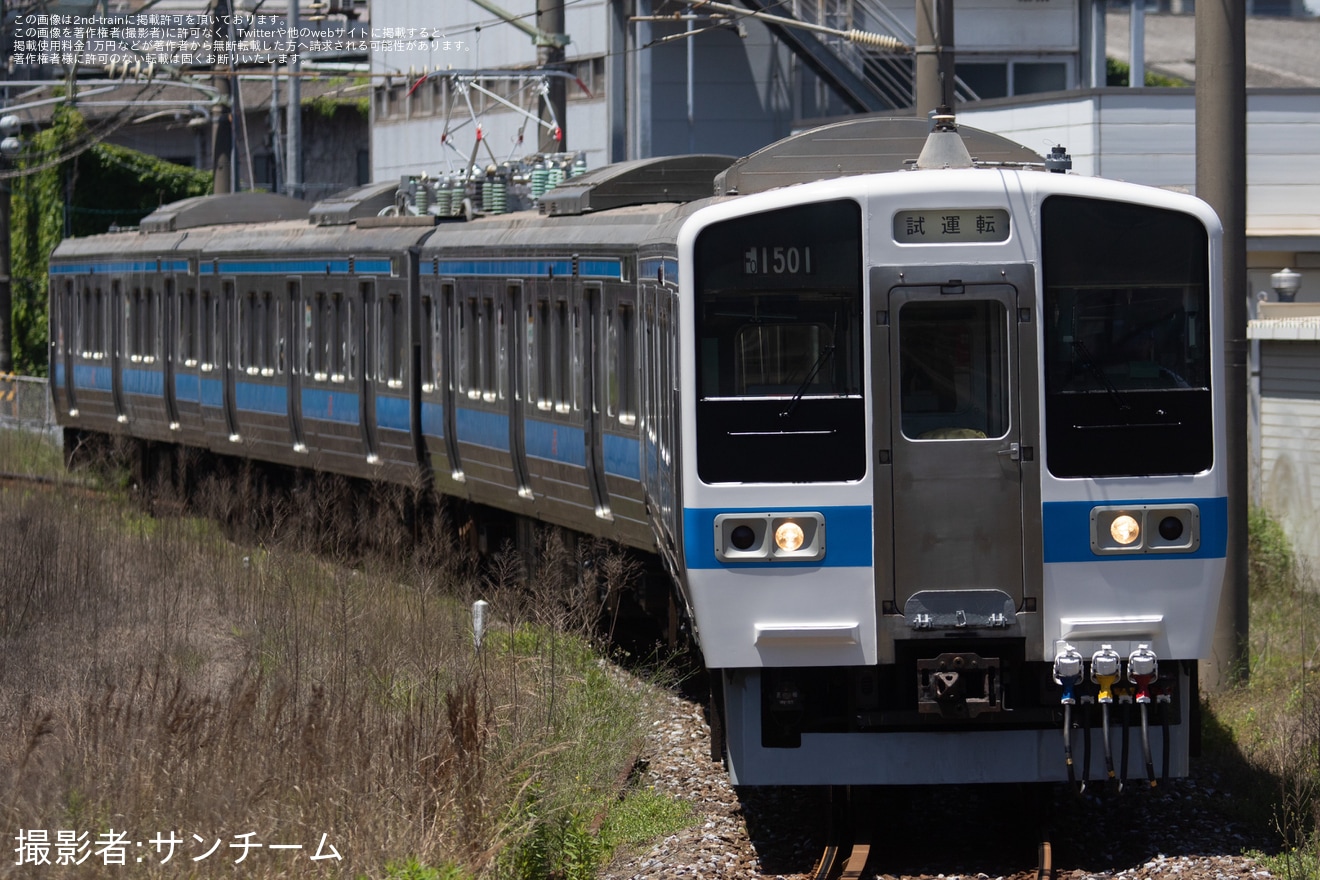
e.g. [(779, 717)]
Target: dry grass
[(156, 679)]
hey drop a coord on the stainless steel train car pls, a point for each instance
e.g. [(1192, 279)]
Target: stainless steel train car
[(932, 447)]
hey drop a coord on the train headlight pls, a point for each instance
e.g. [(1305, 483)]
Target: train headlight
[(1145, 528), (769, 537), (789, 537), (1124, 529)]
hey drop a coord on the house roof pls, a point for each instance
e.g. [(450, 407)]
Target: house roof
[(1281, 52)]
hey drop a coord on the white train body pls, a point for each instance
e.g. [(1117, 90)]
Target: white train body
[(955, 486)]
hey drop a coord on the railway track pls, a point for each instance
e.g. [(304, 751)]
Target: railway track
[(851, 840)]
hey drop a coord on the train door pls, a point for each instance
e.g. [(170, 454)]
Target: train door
[(515, 345), (951, 370), (594, 393), (226, 359), (169, 352), (367, 341), (293, 343)]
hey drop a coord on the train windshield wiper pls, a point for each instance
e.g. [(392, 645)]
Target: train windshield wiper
[(1089, 363), (806, 383)]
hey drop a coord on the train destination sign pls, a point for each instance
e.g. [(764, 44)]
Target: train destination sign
[(951, 226)]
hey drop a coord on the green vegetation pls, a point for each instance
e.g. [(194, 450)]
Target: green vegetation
[(1119, 73), (156, 677), (1264, 736), (103, 186)]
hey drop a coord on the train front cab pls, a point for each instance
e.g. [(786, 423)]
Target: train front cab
[(899, 518)]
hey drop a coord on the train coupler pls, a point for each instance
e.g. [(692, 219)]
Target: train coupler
[(959, 685)]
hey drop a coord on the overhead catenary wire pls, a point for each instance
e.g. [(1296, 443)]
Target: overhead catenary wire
[(882, 42)]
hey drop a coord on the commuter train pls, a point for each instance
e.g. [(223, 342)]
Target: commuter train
[(933, 450)]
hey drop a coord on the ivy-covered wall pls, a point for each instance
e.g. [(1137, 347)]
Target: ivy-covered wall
[(103, 186)]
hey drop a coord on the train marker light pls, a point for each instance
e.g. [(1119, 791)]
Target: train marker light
[(769, 537), (1145, 529)]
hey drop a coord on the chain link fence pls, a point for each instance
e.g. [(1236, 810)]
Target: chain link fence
[(25, 404)]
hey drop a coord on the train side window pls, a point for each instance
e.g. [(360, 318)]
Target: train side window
[(472, 350), (350, 341), (246, 330), (338, 340), (626, 364), (398, 341), (427, 342), (206, 355), (130, 324), (577, 368), (271, 314), (150, 322), (543, 344), (501, 354), (321, 337), (187, 316), (563, 358), (489, 378), (84, 323), (308, 337)]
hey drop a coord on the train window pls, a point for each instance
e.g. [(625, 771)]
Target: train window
[(205, 334), (472, 346), (150, 324), (544, 382), (501, 354), (309, 337), (321, 331), (778, 333), (188, 327), (338, 342), (398, 341), (1127, 343), (491, 354), (563, 358), (953, 360), (247, 329), (427, 341), (132, 320), (272, 312)]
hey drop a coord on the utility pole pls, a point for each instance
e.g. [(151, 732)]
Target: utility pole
[(1221, 180), (293, 128), (550, 56), (934, 56), (222, 134), (8, 142)]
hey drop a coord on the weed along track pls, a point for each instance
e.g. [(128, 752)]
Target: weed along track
[(158, 678)]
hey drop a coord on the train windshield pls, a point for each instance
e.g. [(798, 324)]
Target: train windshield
[(1127, 352), (779, 347)]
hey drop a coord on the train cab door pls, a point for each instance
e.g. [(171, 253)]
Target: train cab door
[(226, 358), (293, 350), (594, 393), (950, 363)]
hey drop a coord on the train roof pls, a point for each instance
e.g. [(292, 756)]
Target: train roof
[(868, 145)]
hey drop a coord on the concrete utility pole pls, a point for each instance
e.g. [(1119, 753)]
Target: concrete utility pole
[(1221, 180), (934, 51), (293, 142), (222, 132), (550, 56)]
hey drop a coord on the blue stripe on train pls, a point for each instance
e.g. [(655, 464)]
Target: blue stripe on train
[(848, 538), (1067, 530), (392, 413)]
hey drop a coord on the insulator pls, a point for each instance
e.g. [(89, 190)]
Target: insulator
[(540, 177), (580, 165), (556, 177), (494, 197), (422, 201), (442, 199), (876, 41)]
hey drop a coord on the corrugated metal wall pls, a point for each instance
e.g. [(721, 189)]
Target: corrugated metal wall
[(1290, 442)]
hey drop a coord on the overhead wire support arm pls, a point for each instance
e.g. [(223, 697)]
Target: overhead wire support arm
[(539, 37), (882, 42)]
